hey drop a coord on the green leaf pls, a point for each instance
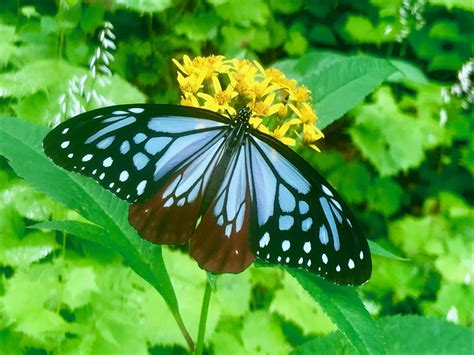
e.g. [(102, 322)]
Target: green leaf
[(414, 334), (82, 230), (346, 311), (21, 145), (449, 4), (453, 301), (28, 202), (198, 27), (403, 335), (321, 33), (34, 247), (385, 196), (296, 43), (28, 305), (233, 292), (342, 85), (308, 64), (415, 235), (333, 343), (379, 250), (398, 280), (390, 139), (294, 304), (407, 72), (256, 12), (144, 6), (80, 283), (261, 334)]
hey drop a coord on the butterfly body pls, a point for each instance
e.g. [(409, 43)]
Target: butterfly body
[(233, 192)]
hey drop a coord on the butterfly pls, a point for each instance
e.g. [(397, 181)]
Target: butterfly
[(235, 193)]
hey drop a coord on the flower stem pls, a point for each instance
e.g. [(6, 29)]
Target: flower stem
[(203, 319)]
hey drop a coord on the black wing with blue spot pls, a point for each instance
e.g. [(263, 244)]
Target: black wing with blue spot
[(300, 220), (133, 150)]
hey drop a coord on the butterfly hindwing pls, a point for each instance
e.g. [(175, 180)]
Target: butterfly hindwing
[(169, 217), (132, 150), (220, 242), (301, 221)]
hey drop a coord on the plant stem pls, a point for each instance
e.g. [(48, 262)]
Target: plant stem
[(203, 319), (184, 331)]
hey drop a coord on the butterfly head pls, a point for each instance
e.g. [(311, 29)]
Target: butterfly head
[(244, 114)]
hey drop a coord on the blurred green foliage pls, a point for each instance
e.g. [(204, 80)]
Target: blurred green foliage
[(402, 158)]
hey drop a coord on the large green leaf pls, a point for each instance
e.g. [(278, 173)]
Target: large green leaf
[(403, 335), (339, 87), (21, 145), (346, 310)]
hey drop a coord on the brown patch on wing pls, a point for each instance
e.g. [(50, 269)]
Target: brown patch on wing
[(164, 225), (217, 253)]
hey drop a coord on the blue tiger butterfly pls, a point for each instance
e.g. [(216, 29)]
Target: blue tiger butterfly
[(235, 193)]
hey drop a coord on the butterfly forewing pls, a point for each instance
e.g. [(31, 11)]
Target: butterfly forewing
[(133, 150), (300, 220)]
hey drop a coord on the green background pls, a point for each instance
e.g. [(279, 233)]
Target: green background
[(377, 77)]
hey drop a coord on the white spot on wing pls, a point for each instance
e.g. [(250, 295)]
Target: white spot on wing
[(220, 221), (136, 110), (351, 264), (325, 259), (306, 224), (337, 204), (139, 137), (140, 160), (327, 191), (65, 130), (169, 202), (228, 230), (323, 235), (307, 247), (124, 147), (64, 144), (105, 143), (264, 240), (286, 199), (303, 206), (123, 176), (87, 157), (338, 268), (141, 187), (285, 222), (285, 245), (361, 255), (107, 162)]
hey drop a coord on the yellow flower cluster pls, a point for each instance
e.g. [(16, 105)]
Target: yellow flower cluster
[(279, 106)]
